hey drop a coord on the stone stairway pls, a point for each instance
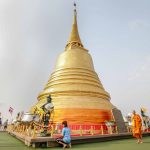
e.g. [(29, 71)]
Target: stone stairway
[(119, 120)]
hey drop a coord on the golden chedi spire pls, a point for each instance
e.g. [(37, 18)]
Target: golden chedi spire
[(77, 93), (74, 38)]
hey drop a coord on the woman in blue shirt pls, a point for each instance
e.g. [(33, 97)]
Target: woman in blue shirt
[(66, 140)]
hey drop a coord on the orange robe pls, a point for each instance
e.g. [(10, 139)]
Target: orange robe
[(137, 126)]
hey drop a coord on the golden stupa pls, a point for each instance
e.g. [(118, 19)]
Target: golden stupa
[(77, 93)]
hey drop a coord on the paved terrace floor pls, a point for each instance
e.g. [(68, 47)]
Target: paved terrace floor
[(7, 142)]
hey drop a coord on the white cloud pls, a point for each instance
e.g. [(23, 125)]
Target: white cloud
[(137, 24), (142, 72)]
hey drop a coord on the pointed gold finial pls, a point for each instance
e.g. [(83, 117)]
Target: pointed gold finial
[(74, 36)]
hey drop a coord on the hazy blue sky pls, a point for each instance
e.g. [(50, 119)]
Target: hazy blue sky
[(34, 32)]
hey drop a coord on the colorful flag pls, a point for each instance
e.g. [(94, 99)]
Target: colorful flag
[(11, 110)]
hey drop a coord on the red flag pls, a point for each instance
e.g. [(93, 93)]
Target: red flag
[(11, 110)]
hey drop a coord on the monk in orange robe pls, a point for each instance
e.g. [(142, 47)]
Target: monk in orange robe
[(137, 126)]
